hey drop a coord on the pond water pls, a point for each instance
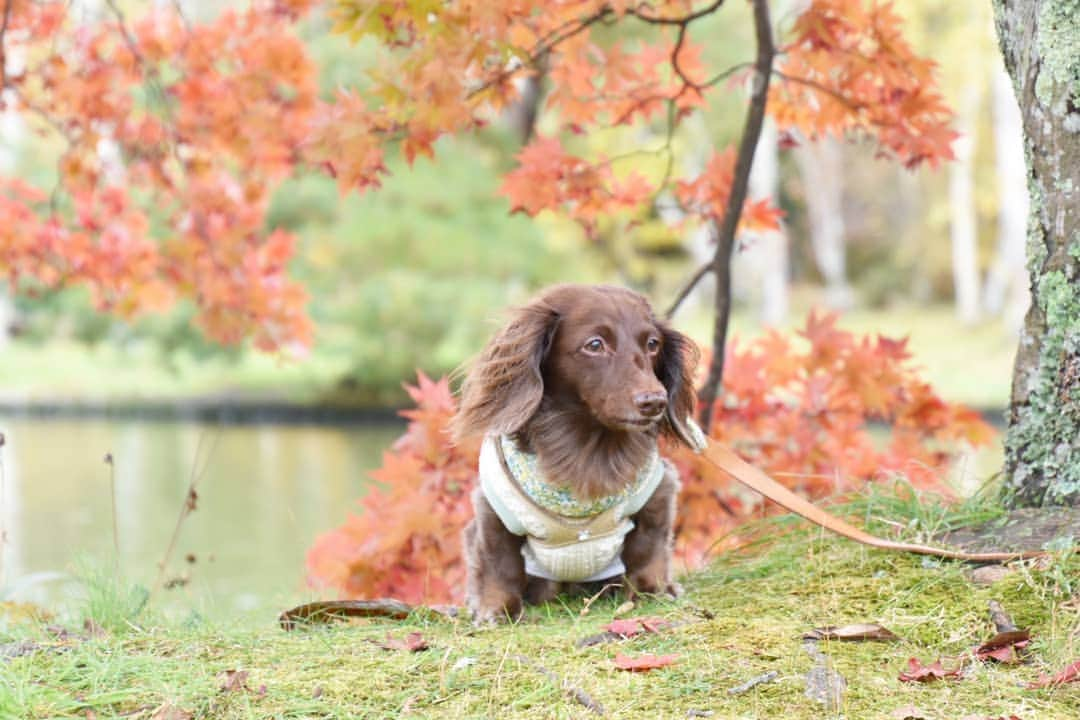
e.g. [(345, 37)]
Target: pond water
[(266, 492)]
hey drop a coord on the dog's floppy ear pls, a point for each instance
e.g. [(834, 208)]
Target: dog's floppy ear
[(675, 369), (504, 386)]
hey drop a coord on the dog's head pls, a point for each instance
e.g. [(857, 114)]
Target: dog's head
[(599, 346)]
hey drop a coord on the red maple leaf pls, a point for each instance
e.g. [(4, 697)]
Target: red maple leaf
[(626, 628), (644, 663), (917, 672), (413, 642), (1071, 673)]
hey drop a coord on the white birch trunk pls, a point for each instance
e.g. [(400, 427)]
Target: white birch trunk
[(821, 167), (760, 264), (1006, 289), (962, 215)]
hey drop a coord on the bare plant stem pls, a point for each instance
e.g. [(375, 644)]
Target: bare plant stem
[(190, 500), (115, 526), (755, 119)]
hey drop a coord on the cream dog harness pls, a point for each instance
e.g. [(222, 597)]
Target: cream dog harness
[(566, 539)]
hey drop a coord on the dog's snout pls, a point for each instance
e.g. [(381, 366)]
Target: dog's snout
[(650, 404)]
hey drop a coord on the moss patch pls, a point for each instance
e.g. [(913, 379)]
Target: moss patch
[(740, 618)]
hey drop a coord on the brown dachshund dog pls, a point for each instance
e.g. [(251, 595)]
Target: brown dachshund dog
[(577, 386)]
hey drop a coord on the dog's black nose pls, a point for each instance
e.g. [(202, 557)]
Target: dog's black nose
[(650, 404)]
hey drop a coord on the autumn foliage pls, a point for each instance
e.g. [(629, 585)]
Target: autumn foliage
[(802, 408), (175, 132), (174, 136)]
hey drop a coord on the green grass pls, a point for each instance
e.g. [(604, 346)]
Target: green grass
[(970, 365), (758, 603)]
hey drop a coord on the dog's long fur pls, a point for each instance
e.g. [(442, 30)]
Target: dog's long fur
[(592, 418)]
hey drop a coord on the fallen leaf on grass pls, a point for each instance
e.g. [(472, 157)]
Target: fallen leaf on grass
[(856, 632), (1003, 647), (908, 712), (917, 672), (626, 628), (644, 663), (233, 680), (654, 624), (635, 626), (413, 642), (1069, 674), (171, 712)]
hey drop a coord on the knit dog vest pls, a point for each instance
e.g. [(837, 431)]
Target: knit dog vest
[(566, 539)]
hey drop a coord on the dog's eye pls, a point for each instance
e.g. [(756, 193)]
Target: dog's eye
[(593, 346), (653, 345)]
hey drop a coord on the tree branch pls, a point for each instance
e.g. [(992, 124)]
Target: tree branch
[(820, 88), (683, 21), (721, 266), (544, 47), (691, 283)]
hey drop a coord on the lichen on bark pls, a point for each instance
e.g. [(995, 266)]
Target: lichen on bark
[(1040, 42)]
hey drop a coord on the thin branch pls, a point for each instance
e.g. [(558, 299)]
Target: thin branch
[(180, 13), (724, 75), (689, 286), (820, 88), (675, 59), (755, 119), (153, 79), (683, 20), (542, 48)]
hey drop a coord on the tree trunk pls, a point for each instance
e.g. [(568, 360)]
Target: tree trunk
[(1006, 290), (1040, 40), (822, 171)]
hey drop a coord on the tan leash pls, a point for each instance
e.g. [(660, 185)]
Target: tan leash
[(757, 480)]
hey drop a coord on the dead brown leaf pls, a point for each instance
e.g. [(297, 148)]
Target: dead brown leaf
[(1070, 674), (167, 711), (233, 680), (857, 632), (1003, 647), (908, 712), (917, 672), (413, 642), (93, 629)]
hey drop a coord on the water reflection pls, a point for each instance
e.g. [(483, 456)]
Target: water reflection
[(266, 492)]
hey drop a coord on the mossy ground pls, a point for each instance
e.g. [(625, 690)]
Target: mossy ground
[(741, 617)]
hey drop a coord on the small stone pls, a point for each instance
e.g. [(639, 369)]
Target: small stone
[(990, 574)]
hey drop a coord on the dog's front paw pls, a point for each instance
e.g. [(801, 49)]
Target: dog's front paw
[(674, 590), (488, 615)]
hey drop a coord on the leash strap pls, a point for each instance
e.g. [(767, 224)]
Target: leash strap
[(756, 480)]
